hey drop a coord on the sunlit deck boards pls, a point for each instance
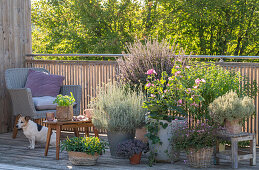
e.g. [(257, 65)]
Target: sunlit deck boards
[(14, 155)]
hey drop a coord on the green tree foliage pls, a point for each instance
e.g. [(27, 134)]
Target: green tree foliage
[(209, 27)]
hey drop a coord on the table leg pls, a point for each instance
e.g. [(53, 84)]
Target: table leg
[(76, 132), (96, 133), (86, 131), (234, 152), (253, 151), (217, 151), (58, 131), (48, 140)]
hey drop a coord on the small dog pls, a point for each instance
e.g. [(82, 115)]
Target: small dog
[(34, 132)]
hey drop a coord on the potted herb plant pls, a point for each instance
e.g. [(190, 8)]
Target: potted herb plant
[(64, 110), (118, 110), (198, 141), (132, 149), (231, 110), (83, 150)]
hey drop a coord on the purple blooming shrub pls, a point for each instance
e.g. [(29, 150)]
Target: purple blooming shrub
[(131, 147)]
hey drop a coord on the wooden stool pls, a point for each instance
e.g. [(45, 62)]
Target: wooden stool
[(234, 155)]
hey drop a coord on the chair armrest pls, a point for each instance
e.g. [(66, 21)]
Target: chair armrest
[(77, 92), (22, 102)]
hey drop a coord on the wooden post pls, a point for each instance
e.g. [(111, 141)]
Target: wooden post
[(15, 42), (234, 148)]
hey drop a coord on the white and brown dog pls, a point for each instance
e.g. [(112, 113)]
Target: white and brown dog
[(34, 132)]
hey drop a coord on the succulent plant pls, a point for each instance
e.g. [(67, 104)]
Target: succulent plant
[(131, 147)]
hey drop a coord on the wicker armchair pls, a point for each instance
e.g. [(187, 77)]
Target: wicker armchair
[(21, 97)]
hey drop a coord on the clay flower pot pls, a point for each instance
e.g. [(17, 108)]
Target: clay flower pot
[(135, 159), (233, 126), (64, 113)]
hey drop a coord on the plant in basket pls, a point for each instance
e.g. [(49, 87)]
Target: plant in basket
[(198, 141), (132, 149), (231, 110), (64, 109), (83, 150)]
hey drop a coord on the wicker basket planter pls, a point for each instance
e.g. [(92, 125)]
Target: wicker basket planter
[(64, 113), (81, 158), (200, 158)]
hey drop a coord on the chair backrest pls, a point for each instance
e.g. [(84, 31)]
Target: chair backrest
[(16, 77)]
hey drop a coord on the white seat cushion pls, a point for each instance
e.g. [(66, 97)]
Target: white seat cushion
[(44, 103)]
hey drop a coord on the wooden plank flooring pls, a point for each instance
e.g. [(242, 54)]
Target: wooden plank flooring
[(15, 155)]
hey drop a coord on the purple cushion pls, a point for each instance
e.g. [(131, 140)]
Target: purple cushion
[(43, 84)]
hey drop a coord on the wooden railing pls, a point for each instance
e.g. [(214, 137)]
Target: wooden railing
[(90, 74)]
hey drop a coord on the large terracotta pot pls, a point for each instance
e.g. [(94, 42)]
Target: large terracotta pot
[(64, 113), (135, 159), (140, 134), (82, 158), (200, 158), (233, 126)]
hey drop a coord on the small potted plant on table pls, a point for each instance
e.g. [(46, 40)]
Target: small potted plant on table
[(231, 110), (83, 150), (198, 142), (64, 110), (132, 149)]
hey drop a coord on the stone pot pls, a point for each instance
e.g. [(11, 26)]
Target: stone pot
[(115, 138), (64, 113), (233, 126), (135, 159), (140, 134), (82, 158), (165, 152)]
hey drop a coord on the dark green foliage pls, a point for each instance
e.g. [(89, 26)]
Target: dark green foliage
[(89, 145)]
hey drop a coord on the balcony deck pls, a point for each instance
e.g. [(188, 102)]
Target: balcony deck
[(15, 155)]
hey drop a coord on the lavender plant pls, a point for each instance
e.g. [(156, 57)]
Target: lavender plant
[(131, 147), (140, 57)]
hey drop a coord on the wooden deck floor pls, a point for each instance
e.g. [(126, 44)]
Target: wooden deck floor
[(15, 155)]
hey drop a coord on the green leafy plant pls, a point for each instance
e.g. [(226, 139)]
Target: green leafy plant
[(116, 108), (230, 107), (89, 145), (65, 100)]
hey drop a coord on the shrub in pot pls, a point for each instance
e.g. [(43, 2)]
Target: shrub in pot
[(83, 150), (64, 110), (231, 110), (118, 110), (198, 141), (132, 149)]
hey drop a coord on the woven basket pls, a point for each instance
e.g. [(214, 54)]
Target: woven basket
[(200, 158), (81, 158), (64, 113)]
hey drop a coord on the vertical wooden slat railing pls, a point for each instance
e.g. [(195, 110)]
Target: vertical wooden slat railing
[(91, 74)]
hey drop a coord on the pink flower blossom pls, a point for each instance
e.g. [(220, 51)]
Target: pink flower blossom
[(170, 78), (197, 81), (195, 87), (168, 84), (179, 59), (194, 104), (178, 72), (148, 85), (151, 71), (179, 102), (187, 67), (152, 95), (202, 80), (165, 91), (152, 85), (177, 67), (188, 90)]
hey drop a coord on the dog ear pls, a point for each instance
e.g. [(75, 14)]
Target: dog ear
[(27, 118), (19, 115)]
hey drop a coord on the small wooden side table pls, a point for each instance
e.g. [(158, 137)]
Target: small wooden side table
[(58, 125), (234, 154)]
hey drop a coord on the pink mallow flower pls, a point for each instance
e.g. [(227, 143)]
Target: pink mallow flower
[(148, 85), (188, 90), (187, 67), (177, 67), (177, 73), (151, 71), (179, 102), (152, 95), (195, 87), (202, 80), (197, 81)]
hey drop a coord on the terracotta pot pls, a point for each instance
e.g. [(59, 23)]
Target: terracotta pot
[(82, 158), (135, 159), (64, 113), (233, 126), (140, 134), (200, 158)]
